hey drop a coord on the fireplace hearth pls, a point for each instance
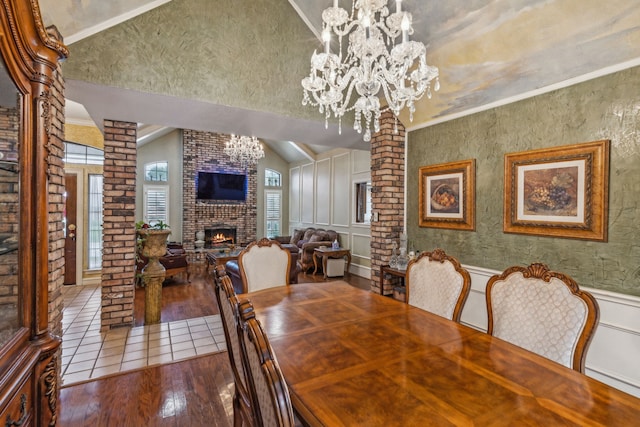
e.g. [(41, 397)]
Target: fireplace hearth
[(219, 236)]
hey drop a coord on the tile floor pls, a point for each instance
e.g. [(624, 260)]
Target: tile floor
[(88, 354)]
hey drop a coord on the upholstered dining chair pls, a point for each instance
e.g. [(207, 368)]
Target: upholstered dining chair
[(542, 311), (271, 399), (436, 282), (264, 264), (230, 306)]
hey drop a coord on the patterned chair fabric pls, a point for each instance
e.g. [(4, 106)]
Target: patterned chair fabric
[(272, 402), (542, 311), (230, 307), (264, 264), (436, 282)]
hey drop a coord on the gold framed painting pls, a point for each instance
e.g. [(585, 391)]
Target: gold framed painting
[(447, 195), (559, 192)]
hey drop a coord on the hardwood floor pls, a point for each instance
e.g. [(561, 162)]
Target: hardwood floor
[(194, 392)]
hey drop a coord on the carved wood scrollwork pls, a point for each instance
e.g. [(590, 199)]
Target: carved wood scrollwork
[(52, 41), (44, 105), (50, 380), (438, 255), (23, 413)]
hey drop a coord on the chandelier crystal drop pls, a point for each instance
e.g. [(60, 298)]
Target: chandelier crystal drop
[(243, 149), (372, 62)]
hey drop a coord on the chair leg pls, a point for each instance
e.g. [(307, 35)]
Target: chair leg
[(237, 411)]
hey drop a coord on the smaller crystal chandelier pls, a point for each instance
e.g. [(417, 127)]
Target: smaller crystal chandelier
[(245, 150), (372, 62)]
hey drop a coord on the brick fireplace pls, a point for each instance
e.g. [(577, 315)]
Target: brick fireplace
[(203, 151), (219, 235)]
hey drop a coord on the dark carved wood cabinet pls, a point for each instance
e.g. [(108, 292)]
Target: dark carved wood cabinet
[(28, 351)]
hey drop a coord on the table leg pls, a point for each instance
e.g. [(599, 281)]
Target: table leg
[(324, 266), (315, 263), (348, 262)]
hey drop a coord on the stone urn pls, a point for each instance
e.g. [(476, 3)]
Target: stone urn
[(199, 243), (154, 245)]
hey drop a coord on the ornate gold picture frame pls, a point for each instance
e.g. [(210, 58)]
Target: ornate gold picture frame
[(447, 195), (559, 192)]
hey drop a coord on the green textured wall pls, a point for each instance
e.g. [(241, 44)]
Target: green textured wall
[(603, 108), (242, 53)]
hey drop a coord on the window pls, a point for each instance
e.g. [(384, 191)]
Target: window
[(156, 172), (273, 212), (94, 243), (156, 204), (272, 178), (363, 202), (82, 154)]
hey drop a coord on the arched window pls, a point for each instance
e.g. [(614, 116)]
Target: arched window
[(156, 171), (272, 178)]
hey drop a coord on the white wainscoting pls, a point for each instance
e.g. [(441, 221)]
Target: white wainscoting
[(614, 354)]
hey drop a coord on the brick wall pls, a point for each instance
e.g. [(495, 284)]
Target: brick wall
[(203, 151), (9, 226), (119, 237), (387, 196), (56, 202), (9, 127)]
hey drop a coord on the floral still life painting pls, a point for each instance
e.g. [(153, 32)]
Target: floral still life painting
[(561, 191)]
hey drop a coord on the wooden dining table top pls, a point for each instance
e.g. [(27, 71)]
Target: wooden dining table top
[(354, 358)]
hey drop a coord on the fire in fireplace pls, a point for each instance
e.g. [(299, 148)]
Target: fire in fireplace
[(219, 236)]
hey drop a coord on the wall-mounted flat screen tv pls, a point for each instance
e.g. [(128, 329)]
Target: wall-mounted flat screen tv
[(221, 186)]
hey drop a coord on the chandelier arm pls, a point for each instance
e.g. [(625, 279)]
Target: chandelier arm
[(389, 32), (343, 107), (347, 28)]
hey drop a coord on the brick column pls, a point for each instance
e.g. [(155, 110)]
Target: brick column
[(119, 236), (56, 203), (387, 195)]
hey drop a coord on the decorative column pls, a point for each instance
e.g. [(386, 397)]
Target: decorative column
[(387, 196), (154, 245)]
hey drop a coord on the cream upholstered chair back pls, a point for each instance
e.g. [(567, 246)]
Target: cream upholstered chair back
[(230, 307), (436, 282), (264, 264), (271, 399), (542, 311)]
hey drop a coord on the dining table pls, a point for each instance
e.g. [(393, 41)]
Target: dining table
[(352, 357)]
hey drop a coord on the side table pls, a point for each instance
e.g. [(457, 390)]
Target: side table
[(394, 272), (326, 253)]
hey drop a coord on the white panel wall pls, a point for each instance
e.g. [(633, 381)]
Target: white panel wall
[(307, 195), (614, 354), (328, 184), (294, 194), (323, 192), (361, 162), (341, 190)]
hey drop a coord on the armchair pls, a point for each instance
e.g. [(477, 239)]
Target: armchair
[(307, 239)]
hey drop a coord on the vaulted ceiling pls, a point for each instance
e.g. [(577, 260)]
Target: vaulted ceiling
[(235, 65)]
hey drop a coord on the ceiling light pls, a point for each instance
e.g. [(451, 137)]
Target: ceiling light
[(243, 149), (371, 63)]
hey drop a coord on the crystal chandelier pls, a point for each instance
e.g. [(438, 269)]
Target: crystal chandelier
[(368, 66), (243, 149)]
